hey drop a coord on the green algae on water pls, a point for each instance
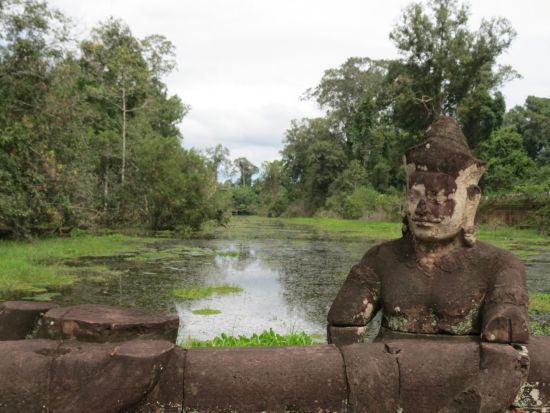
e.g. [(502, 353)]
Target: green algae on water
[(206, 311), (202, 292)]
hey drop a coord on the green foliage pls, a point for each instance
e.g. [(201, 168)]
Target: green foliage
[(376, 109), (206, 311), (532, 121), (266, 338), (202, 292), (366, 202), (539, 302), (507, 161), (245, 199), (444, 62), (350, 94), (541, 219), (92, 140), (246, 170), (539, 329), (219, 158), (175, 185), (313, 157)]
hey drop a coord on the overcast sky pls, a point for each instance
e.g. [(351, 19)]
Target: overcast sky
[(243, 64)]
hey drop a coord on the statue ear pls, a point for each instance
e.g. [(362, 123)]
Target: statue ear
[(474, 193), (468, 228)]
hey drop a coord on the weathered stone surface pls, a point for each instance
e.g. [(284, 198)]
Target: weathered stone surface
[(373, 378), (167, 395), (50, 376), (139, 376), (106, 377), (102, 323), (18, 319), (510, 366), (452, 374), (437, 279), (433, 372), (343, 336), (273, 379), (24, 374), (535, 393)]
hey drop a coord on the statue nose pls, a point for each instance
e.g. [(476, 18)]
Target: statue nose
[(421, 209)]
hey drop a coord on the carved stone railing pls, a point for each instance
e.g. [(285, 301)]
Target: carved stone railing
[(51, 371)]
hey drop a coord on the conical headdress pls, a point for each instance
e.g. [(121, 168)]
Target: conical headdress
[(445, 150)]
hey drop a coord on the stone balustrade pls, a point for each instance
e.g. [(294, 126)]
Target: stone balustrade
[(105, 359)]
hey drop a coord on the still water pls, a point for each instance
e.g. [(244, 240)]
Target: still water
[(288, 280)]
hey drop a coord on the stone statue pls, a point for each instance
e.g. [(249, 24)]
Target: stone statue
[(436, 279)]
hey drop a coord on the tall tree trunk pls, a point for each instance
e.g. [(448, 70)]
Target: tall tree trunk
[(123, 135), (105, 190)]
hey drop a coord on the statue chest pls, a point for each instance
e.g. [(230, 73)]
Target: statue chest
[(434, 302)]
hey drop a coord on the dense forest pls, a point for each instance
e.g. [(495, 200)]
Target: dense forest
[(348, 163), (88, 130), (89, 135)]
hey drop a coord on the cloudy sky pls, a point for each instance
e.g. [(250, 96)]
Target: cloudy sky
[(243, 64)]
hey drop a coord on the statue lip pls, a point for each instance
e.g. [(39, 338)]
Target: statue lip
[(424, 221)]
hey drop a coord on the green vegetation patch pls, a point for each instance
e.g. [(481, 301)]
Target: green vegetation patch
[(170, 253), (266, 338), (202, 292), (30, 268), (206, 311), (351, 228), (539, 302), (522, 242), (539, 329), (42, 297), (231, 253)]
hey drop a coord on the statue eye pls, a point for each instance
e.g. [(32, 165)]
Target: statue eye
[(432, 195)]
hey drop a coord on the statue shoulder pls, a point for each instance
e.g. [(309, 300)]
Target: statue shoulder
[(388, 250), (498, 257)]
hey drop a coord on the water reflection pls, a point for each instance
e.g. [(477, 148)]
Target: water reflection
[(287, 284), (261, 304)]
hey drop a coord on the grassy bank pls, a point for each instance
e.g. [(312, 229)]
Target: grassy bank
[(28, 268), (253, 227), (522, 242)]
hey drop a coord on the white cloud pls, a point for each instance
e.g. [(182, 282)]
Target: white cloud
[(243, 64)]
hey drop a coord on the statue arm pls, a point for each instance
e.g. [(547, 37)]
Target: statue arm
[(355, 305), (505, 318)]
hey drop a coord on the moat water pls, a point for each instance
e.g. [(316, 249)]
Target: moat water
[(288, 276)]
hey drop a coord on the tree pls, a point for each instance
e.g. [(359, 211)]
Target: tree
[(40, 119), (532, 121), (444, 62), (343, 92), (313, 158), (246, 170), (507, 161), (273, 195), (175, 186), (124, 72), (219, 157)]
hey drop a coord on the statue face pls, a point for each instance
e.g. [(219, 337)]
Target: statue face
[(436, 205)]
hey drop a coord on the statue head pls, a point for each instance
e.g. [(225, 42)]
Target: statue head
[(442, 190)]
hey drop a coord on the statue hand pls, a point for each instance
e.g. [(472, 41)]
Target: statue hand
[(505, 323)]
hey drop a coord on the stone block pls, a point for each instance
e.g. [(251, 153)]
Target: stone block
[(373, 378), (106, 377), (24, 374), (265, 379), (102, 323), (18, 319)]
